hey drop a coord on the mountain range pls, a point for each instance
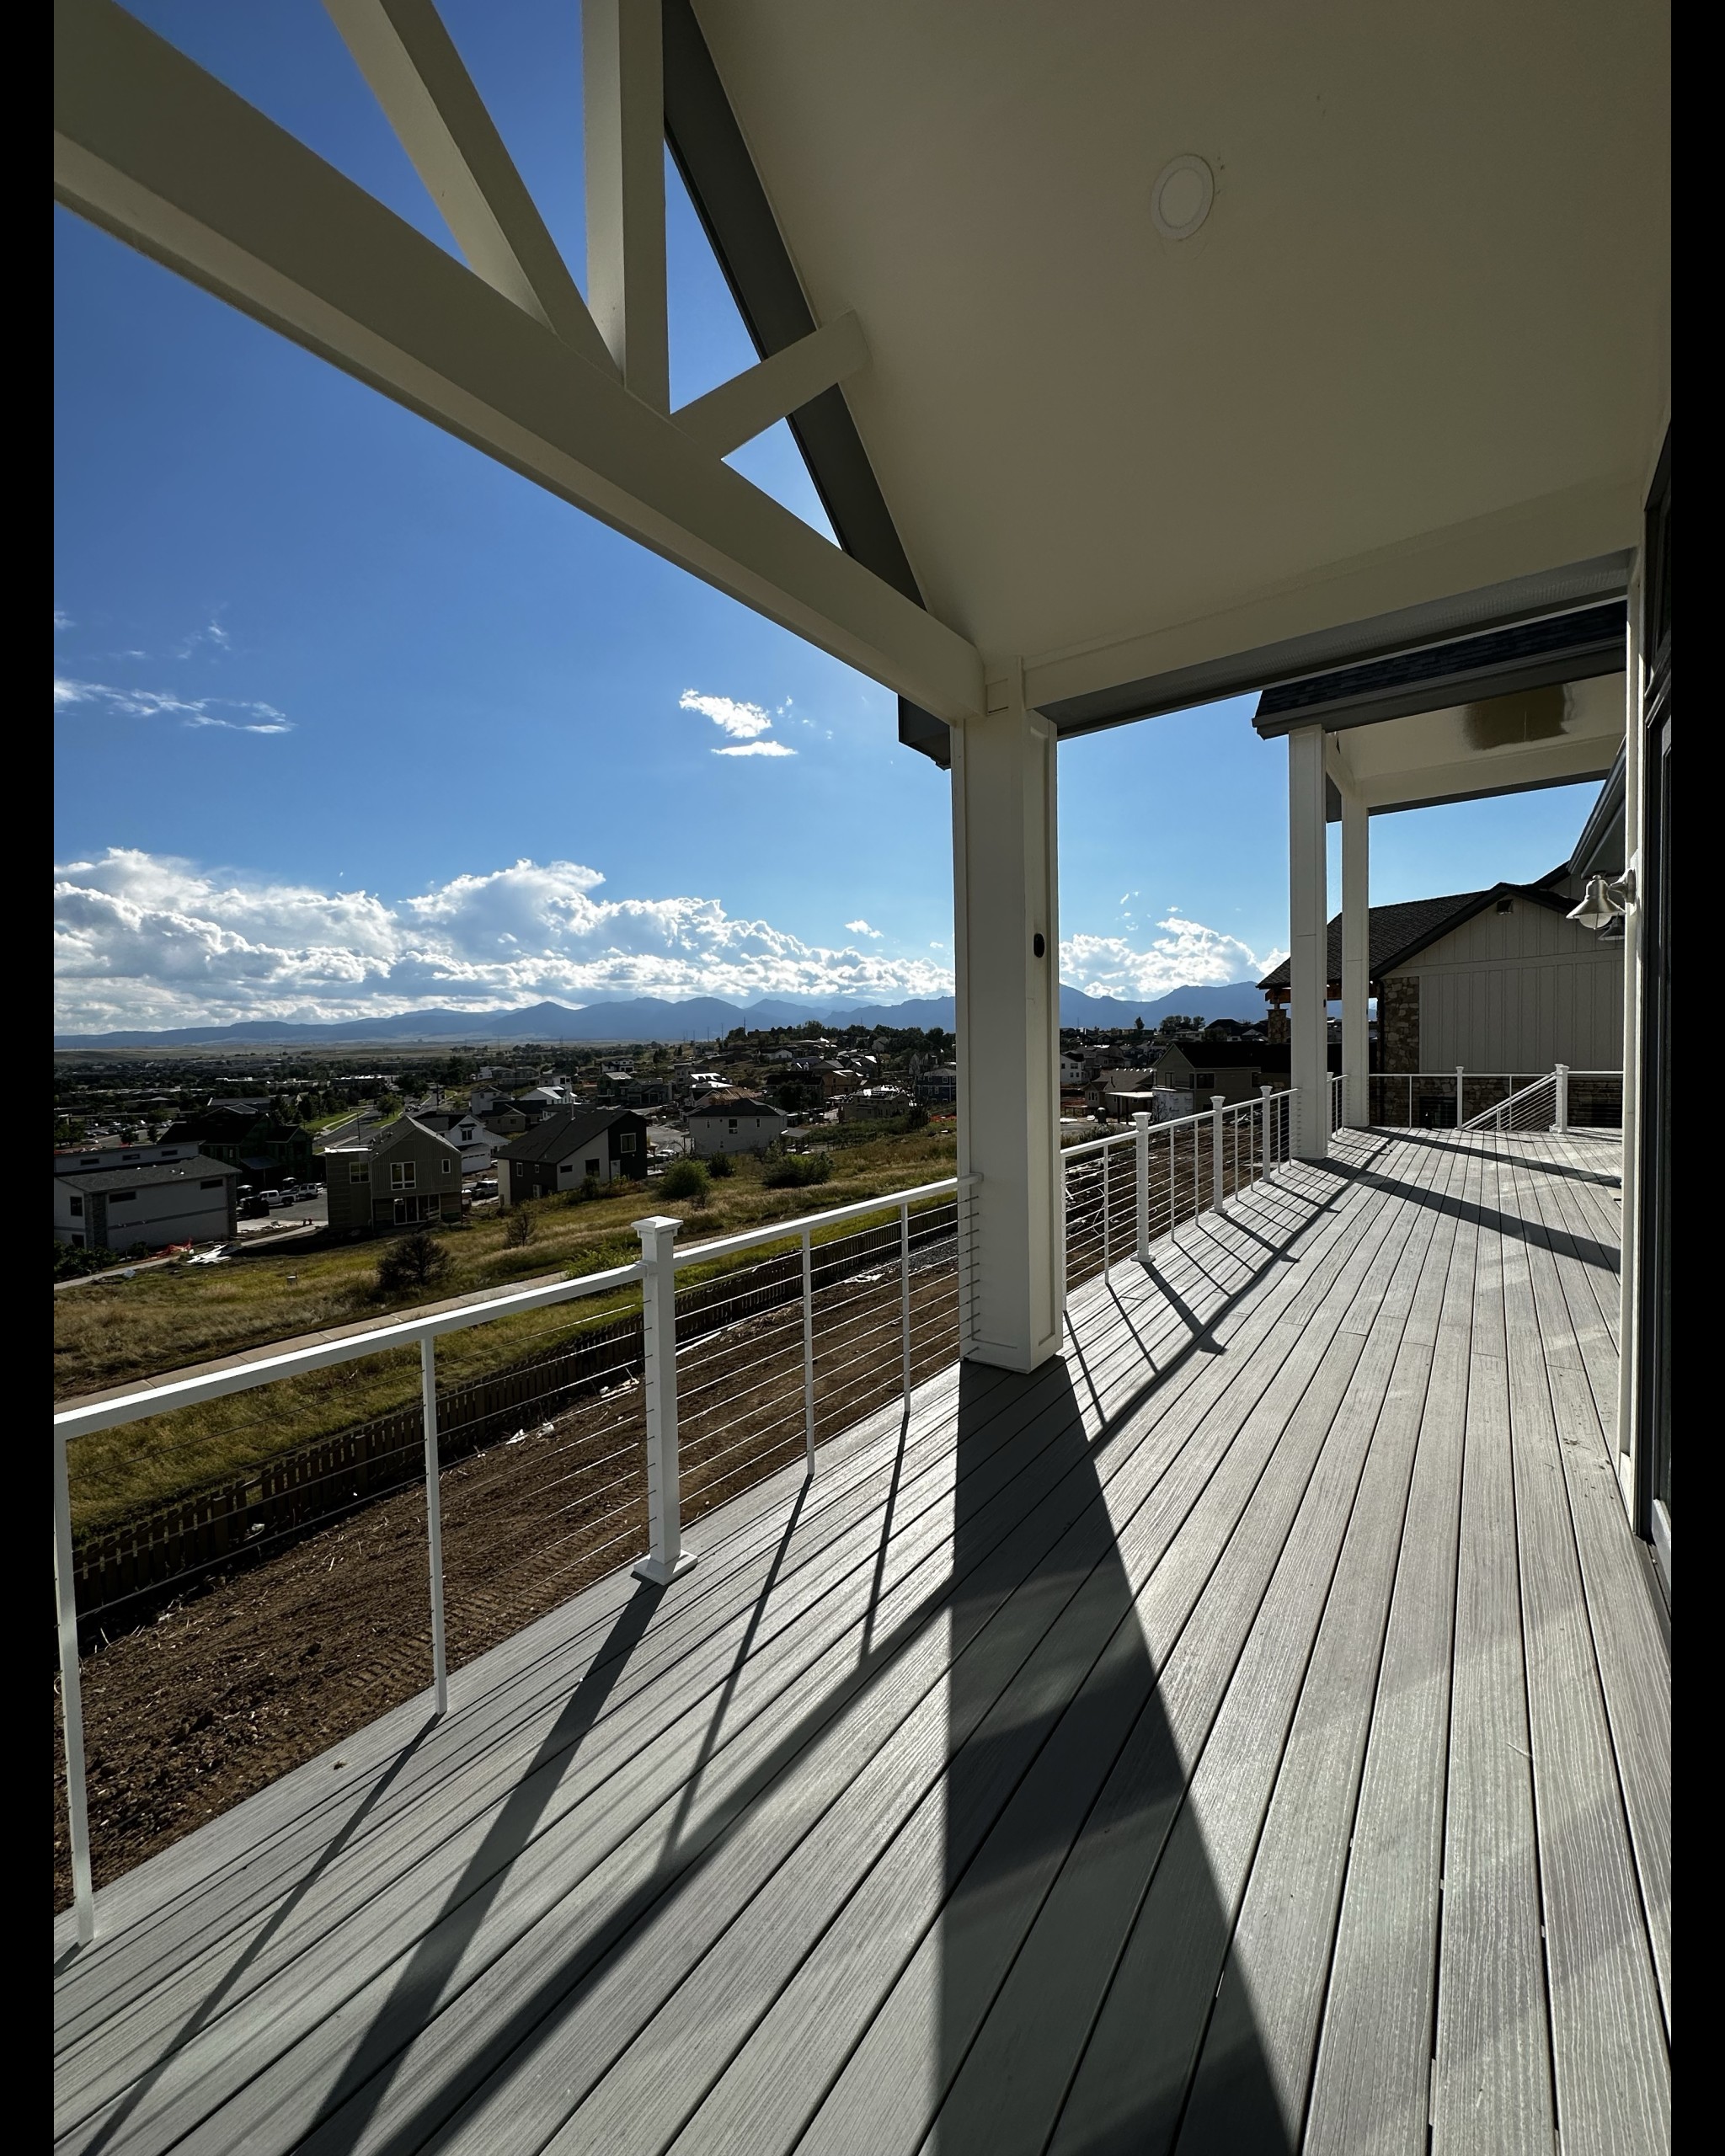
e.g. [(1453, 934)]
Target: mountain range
[(655, 1019)]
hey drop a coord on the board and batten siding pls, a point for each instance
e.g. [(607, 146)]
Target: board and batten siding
[(1520, 991)]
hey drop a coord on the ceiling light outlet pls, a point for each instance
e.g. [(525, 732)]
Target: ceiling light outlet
[(1180, 201)]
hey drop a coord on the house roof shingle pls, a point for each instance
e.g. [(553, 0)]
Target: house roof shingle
[(564, 1132), (198, 1167), (1399, 932)]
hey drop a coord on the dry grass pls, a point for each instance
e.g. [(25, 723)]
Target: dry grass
[(122, 1331)]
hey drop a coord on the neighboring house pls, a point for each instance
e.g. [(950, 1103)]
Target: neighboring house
[(462, 1127), (873, 1104), (1493, 981), (644, 1093), (186, 1199), (1102, 1089), (939, 1087), (562, 1151), (405, 1175), (1076, 1070), (505, 1121), (732, 1123), (250, 1136)]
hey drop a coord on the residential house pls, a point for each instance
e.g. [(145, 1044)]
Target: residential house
[(462, 1127), (732, 1123), (873, 1104), (938, 1087), (187, 1198), (564, 1148), (1495, 980), (250, 1135), (402, 1176)]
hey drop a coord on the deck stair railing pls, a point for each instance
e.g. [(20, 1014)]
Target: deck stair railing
[(1123, 1191), (1471, 1098), (743, 1368)]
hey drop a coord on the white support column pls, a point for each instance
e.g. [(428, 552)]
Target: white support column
[(622, 99), (1007, 951), (1308, 945), (1356, 961), (665, 1555)]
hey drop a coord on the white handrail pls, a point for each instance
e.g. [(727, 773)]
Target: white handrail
[(656, 1269)]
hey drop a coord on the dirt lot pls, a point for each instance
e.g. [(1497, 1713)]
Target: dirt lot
[(268, 1667)]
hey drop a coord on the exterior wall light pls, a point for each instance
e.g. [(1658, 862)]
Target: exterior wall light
[(1604, 900)]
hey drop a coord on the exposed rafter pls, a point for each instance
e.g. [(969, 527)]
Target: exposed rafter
[(408, 58), (158, 152), (623, 106)]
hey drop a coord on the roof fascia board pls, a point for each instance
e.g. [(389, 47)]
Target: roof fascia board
[(161, 154), (1230, 654), (1603, 833), (1463, 914), (1435, 787)]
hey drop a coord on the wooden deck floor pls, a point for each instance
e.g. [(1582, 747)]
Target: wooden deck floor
[(1250, 1733)]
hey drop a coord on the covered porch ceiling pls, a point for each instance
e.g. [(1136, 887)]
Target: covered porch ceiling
[(1412, 365)]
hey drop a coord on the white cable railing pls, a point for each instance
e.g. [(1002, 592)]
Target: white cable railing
[(1116, 1205), (1470, 1099), (768, 1357)]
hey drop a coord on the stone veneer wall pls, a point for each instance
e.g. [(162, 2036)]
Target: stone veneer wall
[(1398, 1021)]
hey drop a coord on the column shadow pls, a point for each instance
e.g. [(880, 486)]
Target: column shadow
[(1083, 1936)]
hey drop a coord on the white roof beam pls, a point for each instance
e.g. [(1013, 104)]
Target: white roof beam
[(750, 403), (622, 98), (408, 58), (161, 154)]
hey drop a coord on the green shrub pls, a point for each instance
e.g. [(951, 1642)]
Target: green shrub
[(721, 1165), (584, 1192), (72, 1262), (796, 1171), (411, 1261), (685, 1179)]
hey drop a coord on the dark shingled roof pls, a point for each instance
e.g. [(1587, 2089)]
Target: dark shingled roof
[(564, 1132), (196, 1169), (1398, 933)]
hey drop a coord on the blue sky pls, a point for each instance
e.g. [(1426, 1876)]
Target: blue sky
[(353, 719)]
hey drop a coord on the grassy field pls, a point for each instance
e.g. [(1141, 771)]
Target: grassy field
[(120, 1332)]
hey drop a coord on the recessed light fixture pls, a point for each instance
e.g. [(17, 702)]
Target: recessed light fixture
[(1180, 201)]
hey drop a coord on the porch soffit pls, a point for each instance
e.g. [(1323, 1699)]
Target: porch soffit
[(1416, 352)]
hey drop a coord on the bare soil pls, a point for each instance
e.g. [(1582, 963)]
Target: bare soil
[(266, 1668)]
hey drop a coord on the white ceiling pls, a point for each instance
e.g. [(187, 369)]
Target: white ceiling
[(1534, 738), (1418, 347)]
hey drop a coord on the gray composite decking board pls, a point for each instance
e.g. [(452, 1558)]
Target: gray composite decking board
[(147, 1939), (1607, 2030), (518, 2090), (709, 2015), (1371, 2081), (1491, 2086), (763, 2100), (1250, 2084), (876, 2103), (178, 2073), (1616, 1614), (1131, 2082), (1166, 1372)]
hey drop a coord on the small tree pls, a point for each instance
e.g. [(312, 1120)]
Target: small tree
[(916, 1116), (411, 1261), (685, 1179), (721, 1165), (518, 1229)]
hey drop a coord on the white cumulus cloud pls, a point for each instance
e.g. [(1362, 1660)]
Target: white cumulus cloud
[(744, 722), (861, 928), (144, 940), (1186, 954)]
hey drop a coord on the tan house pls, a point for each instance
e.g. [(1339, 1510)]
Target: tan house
[(403, 1177)]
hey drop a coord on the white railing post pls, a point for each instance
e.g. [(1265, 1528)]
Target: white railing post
[(905, 1295), (434, 1517), (809, 1345), (1460, 1103), (72, 1705), (665, 1555), (1217, 1177), (1562, 1077), (1140, 1147)]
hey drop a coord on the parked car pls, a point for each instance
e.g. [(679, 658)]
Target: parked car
[(254, 1208)]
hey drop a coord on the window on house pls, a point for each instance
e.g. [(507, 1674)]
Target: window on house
[(359, 1172), (734, 1122), (122, 1197), (589, 1167), (78, 1208), (625, 1141), (402, 1175), (448, 1165), (211, 1183)]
